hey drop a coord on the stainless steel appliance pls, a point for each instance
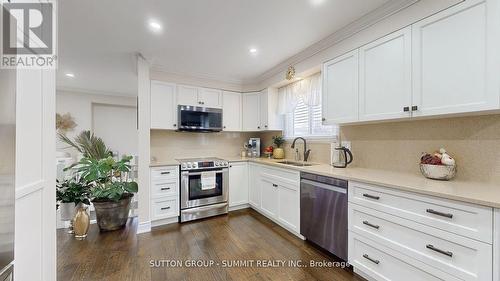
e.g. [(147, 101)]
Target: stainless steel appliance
[(7, 170), (197, 202), (254, 146), (199, 119), (323, 212)]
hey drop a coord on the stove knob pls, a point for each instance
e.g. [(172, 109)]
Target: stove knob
[(189, 165), (216, 163), (225, 163), (184, 166), (195, 165)]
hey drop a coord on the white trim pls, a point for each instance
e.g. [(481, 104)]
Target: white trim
[(28, 189), (64, 90), (496, 245), (239, 207), (166, 221), (144, 227)]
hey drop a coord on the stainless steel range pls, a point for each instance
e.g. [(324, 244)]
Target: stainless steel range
[(204, 188)]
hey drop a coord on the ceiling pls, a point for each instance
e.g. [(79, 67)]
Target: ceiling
[(98, 40)]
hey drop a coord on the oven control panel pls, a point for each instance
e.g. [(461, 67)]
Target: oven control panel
[(200, 165)]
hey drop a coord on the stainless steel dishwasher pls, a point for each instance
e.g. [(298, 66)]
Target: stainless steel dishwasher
[(323, 212)]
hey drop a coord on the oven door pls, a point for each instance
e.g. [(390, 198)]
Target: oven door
[(192, 118), (193, 196)]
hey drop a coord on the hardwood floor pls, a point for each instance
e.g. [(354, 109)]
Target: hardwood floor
[(243, 235)]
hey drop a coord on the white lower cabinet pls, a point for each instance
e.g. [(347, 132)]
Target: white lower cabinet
[(275, 193), (445, 239), (164, 194), (238, 184)]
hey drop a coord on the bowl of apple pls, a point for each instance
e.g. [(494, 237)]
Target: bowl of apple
[(438, 166)]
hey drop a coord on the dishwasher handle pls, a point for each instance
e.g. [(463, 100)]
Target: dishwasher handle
[(324, 186)]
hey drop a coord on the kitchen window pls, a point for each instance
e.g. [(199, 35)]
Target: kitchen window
[(300, 102)]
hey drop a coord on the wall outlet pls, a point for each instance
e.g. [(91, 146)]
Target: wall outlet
[(346, 144)]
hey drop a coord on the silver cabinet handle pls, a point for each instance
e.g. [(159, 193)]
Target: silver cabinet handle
[(371, 196), (446, 253), (447, 215), (371, 225), (165, 208), (164, 173), (275, 185), (371, 259), (165, 188)]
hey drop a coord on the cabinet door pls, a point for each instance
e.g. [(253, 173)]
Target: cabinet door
[(251, 111), (231, 111), (289, 206), (385, 77), (210, 97), (270, 203), (453, 60), (238, 184), (254, 186), (163, 106), (340, 89), (187, 95)]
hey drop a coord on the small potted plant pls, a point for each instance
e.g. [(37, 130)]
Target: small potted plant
[(278, 152), (71, 194)]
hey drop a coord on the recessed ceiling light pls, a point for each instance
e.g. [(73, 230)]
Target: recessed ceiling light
[(70, 75), (155, 26), (253, 50), (317, 2)]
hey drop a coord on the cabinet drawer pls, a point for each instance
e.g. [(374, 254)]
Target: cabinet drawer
[(464, 219), (165, 207), (164, 188), (287, 175), (458, 256), (162, 173), (381, 263)]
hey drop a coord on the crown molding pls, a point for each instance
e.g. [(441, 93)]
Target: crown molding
[(371, 18), (94, 92)]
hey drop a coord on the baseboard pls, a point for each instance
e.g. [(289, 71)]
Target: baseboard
[(362, 274), (239, 207), (161, 222), (144, 227)]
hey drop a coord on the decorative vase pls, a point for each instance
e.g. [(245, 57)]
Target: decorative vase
[(279, 153), (81, 222), (67, 211), (112, 215)]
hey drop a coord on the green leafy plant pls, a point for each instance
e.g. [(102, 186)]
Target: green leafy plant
[(88, 144), (278, 141), (110, 179), (73, 191)]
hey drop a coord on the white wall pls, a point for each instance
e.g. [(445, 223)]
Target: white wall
[(80, 105)]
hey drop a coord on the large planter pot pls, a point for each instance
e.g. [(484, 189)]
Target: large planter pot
[(112, 215)]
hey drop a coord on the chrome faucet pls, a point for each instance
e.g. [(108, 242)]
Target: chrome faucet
[(306, 151)]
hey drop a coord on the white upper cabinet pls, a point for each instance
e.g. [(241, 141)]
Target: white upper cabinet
[(455, 60), (210, 98), (195, 96), (231, 111), (187, 95), (340, 89), (163, 106), (251, 111), (270, 119), (385, 77)]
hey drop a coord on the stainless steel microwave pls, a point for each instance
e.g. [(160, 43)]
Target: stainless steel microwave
[(199, 119)]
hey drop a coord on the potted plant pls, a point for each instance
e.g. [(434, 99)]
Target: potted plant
[(71, 194), (278, 152), (111, 191), (111, 188)]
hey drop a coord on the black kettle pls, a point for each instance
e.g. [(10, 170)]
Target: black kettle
[(344, 157)]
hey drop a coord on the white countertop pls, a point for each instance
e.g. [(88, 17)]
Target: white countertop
[(486, 194)]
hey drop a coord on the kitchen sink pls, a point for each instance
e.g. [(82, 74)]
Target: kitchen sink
[(295, 163)]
